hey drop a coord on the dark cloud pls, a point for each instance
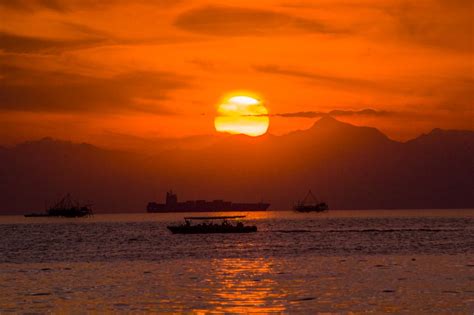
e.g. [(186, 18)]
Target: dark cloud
[(67, 5), (238, 21), (84, 37), (362, 112), (85, 31), (29, 5), (25, 44), (336, 112), (36, 91)]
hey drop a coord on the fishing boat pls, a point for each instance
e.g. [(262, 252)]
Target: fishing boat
[(310, 204), (214, 224), (66, 207)]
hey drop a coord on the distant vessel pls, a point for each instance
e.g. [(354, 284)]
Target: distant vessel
[(172, 205), (309, 206), (66, 207), (208, 225)]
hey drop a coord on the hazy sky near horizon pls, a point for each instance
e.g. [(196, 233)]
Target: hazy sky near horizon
[(81, 70)]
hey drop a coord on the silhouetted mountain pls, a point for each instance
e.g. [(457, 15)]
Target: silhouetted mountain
[(443, 161), (156, 145), (41, 171), (348, 166)]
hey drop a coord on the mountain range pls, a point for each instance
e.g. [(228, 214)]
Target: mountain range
[(349, 167)]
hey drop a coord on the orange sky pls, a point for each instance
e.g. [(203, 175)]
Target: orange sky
[(82, 71)]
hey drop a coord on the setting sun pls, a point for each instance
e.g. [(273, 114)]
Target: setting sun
[(242, 114), (150, 128)]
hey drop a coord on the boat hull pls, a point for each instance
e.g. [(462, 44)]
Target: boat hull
[(315, 208), (211, 230), (36, 215)]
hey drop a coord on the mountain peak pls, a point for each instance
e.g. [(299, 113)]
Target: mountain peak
[(438, 136), (327, 121)]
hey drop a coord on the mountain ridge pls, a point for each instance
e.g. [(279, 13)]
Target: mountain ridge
[(350, 167)]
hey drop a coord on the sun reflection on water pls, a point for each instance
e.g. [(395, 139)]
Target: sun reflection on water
[(243, 286)]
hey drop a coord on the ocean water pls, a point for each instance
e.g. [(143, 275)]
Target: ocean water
[(395, 261)]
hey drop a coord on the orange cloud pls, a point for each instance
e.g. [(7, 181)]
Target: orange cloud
[(335, 112), (241, 21), (27, 90), (119, 66)]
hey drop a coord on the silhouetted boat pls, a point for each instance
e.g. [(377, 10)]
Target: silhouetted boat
[(172, 205), (208, 226), (308, 206), (66, 207)]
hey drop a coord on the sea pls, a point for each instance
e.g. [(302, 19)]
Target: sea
[(338, 262)]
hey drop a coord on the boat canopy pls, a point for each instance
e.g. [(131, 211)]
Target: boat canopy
[(216, 218)]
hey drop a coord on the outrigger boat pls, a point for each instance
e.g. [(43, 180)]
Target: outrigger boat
[(66, 207), (208, 225), (310, 206)]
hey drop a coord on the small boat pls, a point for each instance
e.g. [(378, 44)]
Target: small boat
[(209, 225), (310, 206), (66, 207)]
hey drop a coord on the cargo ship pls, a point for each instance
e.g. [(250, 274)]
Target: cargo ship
[(172, 205)]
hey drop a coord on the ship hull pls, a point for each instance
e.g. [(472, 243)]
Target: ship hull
[(163, 208), (314, 208), (36, 215), (211, 229)]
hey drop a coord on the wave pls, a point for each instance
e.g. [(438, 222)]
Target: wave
[(369, 230), (293, 231)]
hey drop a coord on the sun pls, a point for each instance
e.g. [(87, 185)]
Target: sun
[(242, 114)]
